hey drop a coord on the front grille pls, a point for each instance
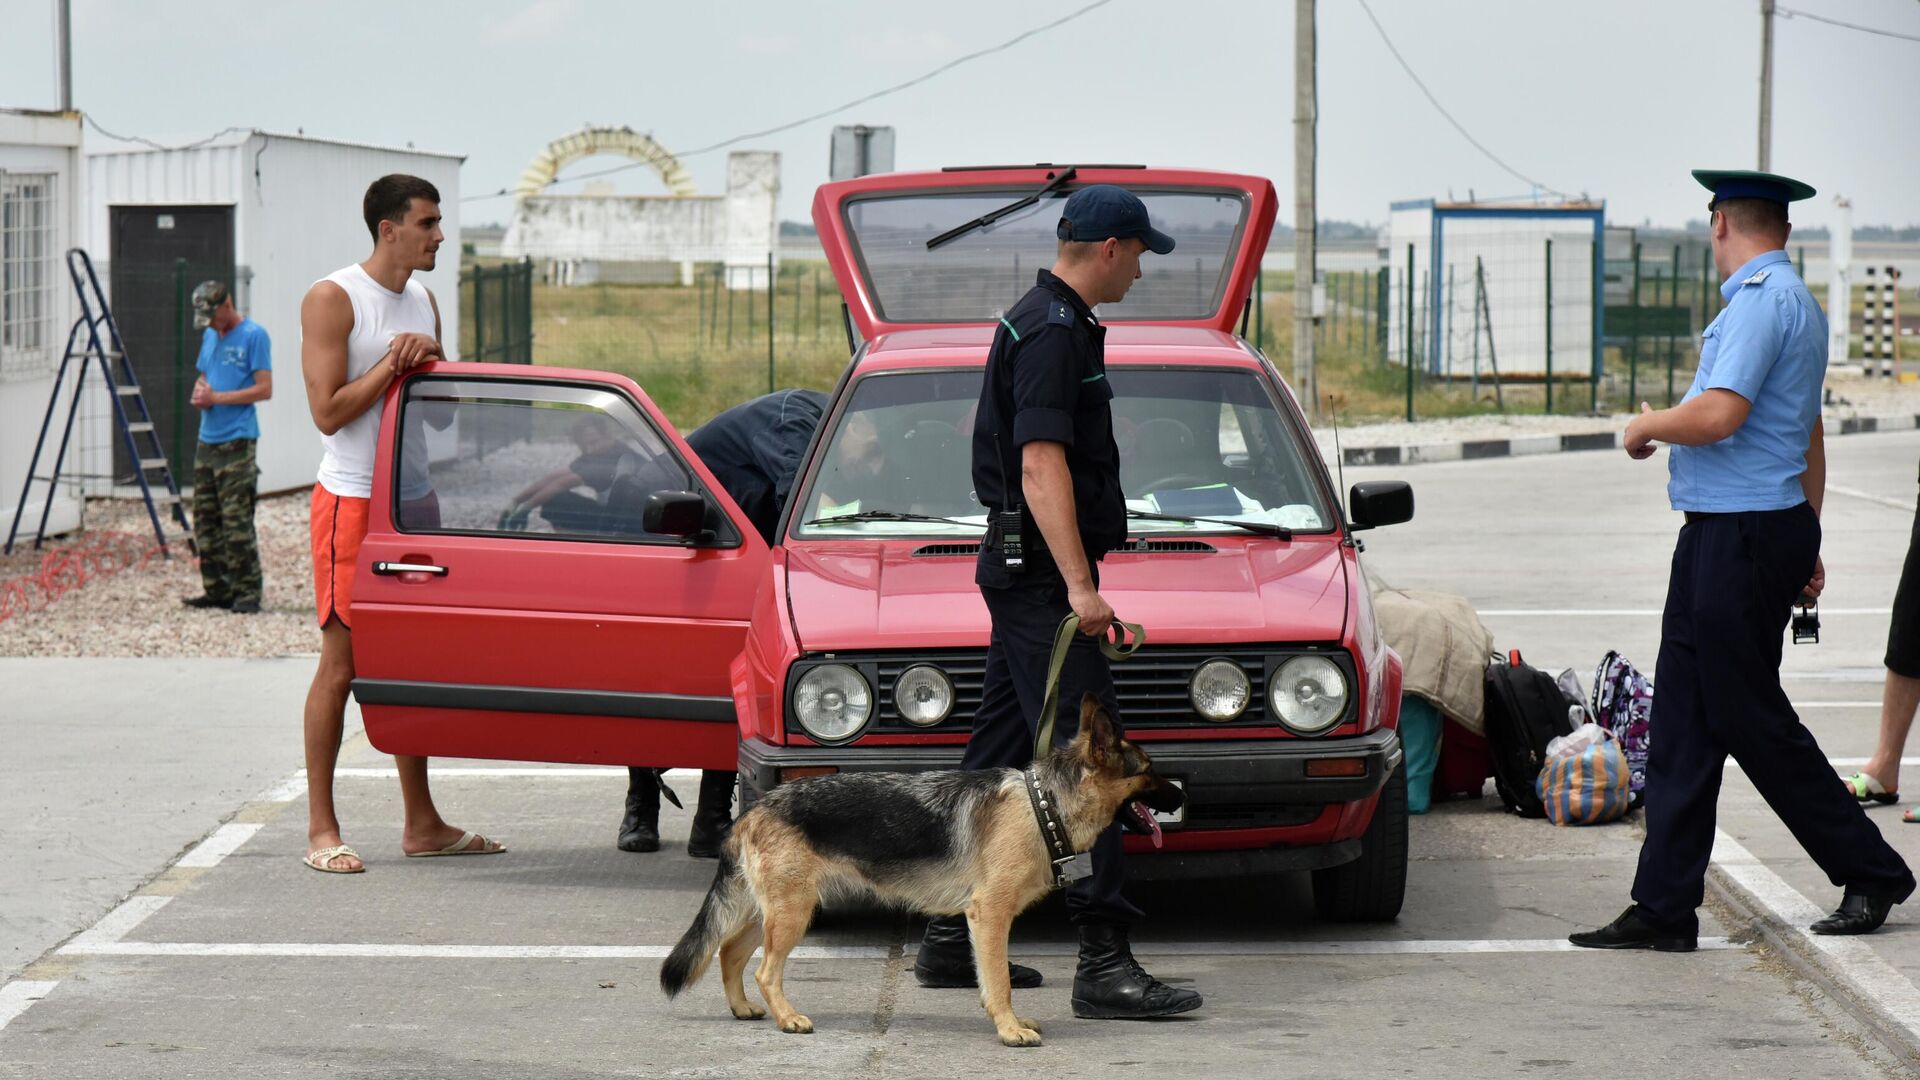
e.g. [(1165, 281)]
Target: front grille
[(1156, 547), (1152, 686)]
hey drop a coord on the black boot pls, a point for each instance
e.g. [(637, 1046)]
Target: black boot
[(1111, 985), (946, 958), (713, 815), (640, 829)]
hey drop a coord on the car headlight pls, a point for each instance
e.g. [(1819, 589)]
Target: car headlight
[(1309, 694), (832, 702), (924, 695), (1219, 690)]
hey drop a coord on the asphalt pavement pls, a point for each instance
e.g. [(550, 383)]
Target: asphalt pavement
[(156, 919)]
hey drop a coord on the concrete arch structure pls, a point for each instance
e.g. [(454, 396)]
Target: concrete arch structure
[(545, 168)]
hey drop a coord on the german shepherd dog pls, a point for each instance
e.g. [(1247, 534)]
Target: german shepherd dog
[(940, 843)]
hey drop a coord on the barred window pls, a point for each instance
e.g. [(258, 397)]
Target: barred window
[(27, 274)]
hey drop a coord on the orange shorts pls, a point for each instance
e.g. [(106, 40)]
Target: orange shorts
[(339, 525)]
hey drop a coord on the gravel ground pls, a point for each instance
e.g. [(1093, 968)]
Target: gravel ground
[(135, 610), (123, 601)]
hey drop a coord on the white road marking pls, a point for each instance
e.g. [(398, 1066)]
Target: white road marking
[(286, 790), (1836, 705), (1856, 762), (1559, 613), (224, 841), (1853, 958), (119, 922), (17, 997), (819, 952), (1855, 493)]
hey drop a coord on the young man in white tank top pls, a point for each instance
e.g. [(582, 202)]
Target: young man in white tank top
[(361, 328)]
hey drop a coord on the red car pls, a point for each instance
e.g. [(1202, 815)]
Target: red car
[(648, 623)]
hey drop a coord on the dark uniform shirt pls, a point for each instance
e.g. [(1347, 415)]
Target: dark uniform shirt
[(1046, 380), (755, 449)]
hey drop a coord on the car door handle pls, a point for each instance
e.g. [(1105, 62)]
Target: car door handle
[(409, 568)]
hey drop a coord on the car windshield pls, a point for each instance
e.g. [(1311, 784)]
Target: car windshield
[(1195, 442), (971, 278)]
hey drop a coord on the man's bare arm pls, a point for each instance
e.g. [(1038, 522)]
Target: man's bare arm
[(326, 318), (261, 390), (1814, 481), (1049, 489)]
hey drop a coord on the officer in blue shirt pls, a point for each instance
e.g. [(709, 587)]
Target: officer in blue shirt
[(1748, 469), (1046, 468), (236, 370)]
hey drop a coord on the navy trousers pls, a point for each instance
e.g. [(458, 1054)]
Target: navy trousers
[(1717, 693), (1025, 618)]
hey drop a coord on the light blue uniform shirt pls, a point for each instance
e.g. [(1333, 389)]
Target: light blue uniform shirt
[(1769, 346), (229, 361)]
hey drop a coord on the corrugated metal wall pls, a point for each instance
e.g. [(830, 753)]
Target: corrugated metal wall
[(297, 219)]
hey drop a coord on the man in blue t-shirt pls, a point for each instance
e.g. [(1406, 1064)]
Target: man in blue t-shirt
[(236, 370), (1747, 469)]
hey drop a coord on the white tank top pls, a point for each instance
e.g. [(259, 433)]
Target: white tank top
[(346, 464)]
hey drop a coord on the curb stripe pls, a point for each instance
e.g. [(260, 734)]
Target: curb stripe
[(18, 997)]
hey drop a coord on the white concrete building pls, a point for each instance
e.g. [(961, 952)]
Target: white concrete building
[(589, 237), (272, 214), (39, 219)]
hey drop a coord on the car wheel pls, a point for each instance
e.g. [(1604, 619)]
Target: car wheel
[(1372, 887)]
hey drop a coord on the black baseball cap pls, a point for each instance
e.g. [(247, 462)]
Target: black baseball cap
[(1099, 211)]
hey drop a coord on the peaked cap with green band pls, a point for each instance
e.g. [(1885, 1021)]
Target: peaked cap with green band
[(1748, 184)]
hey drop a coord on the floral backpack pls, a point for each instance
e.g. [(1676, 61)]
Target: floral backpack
[(1623, 704)]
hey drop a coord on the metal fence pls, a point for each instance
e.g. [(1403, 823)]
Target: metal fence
[(496, 312)]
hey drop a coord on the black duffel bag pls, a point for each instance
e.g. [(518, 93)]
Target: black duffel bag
[(1525, 710)]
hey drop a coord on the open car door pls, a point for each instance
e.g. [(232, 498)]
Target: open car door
[(515, 598), (919, 250)]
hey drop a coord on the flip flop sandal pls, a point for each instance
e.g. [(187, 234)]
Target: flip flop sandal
[(1912, 816), (1865, 788), (322, 860), (459, 847)]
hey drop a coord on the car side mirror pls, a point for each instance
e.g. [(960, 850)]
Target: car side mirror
[(1373, 503), (675, 513)]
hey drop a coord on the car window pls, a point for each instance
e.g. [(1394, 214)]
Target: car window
[(568, 462), (971, 278), (1198, 442)]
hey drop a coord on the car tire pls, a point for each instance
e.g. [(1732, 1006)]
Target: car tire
[(1372, 887)]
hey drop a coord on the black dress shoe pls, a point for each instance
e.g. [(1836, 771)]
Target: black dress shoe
[(1858, 913), (1630, 931), (946, 959)]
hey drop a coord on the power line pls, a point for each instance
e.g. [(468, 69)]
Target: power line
[(1792, 14), (144, 141), (1404, 66), (823, 114)]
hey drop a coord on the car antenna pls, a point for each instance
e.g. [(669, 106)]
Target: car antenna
[(1339, 464)]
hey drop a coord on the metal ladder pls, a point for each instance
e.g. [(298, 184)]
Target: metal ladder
[(129, 410)]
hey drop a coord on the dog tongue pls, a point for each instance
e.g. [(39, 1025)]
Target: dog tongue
[(1141, 811)]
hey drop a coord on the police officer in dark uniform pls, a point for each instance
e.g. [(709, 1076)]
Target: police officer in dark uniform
[(1046, 467), (754, 450), (1748, 468)]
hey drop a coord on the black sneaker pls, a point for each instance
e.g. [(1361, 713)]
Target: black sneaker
[(245, 607), (205, 601)]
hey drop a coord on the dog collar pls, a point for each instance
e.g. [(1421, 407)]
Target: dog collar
[(1067, 866)]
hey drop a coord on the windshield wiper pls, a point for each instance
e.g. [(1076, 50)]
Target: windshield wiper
[(1065, 176), (891, 515), (1262, 527)]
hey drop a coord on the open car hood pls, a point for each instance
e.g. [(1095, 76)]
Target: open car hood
[(875, 231)]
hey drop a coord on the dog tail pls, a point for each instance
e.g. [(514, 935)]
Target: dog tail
[(728, 905)]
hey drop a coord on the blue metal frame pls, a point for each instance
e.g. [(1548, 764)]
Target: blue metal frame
[(1598, 215)]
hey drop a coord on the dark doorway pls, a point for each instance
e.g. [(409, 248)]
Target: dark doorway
[(159, 254)]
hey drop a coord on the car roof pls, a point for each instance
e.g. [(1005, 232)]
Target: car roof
[(1126, 343)]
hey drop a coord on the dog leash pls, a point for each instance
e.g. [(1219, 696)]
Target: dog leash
[(1125, 641)]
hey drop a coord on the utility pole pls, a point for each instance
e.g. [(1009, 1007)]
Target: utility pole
[(1305, 123), (65, 30), (1766, 85)]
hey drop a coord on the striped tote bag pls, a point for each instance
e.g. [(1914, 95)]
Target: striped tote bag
[(1586, 788)]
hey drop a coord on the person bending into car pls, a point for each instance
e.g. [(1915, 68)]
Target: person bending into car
[(1043, 449), (361, 328), (1747, 463), (754, 450)]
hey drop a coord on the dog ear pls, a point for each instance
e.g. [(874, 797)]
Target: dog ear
[(1096, 727)]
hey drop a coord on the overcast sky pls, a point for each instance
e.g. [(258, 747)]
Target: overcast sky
[(1617, 99)]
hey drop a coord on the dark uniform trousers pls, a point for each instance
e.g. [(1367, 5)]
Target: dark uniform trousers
[(1717, 693), (226, 479), (1025, 619)]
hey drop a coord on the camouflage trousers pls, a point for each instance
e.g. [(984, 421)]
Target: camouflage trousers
[(225, 481)]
